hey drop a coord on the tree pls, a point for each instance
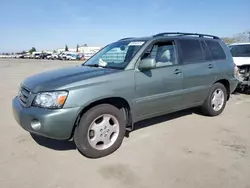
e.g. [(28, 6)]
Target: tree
[(33, 49), (85, 45), (54, 51), (229, 40), (66, 48), (77, 46), (240, 37)]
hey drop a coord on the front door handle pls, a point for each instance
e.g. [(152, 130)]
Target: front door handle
[(210, 66), (177, 71)]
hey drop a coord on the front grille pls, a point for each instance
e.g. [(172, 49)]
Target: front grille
[(244, 71), (23, 95)]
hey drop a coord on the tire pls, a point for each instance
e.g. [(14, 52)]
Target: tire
[(208, 107), (82, 131)]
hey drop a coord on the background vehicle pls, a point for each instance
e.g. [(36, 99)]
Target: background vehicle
[(49, 56), (241, 56), (127, 81), (36, 55), (54, 56), (81, 57), (27, 56), (71, 56), (66, 55), (62, 55), (44, 55)]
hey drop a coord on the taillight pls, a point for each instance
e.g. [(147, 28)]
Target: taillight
[(236, 72)]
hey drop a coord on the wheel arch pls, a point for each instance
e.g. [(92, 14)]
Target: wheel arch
[(226, 83), (118, 102)]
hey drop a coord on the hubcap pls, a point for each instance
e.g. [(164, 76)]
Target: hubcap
[(218, 98), (103, 132)]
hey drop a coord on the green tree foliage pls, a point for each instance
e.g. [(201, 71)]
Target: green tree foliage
[(33, 49), (77, 46), (66, 48), (229, 40), (240, 37)]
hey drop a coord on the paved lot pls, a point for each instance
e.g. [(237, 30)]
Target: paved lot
[(179, 150)]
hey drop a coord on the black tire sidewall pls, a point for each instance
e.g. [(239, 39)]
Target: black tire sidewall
[(81, 132)]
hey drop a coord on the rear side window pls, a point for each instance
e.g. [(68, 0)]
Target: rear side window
[(191, 51), (216, 50), (206, 51)]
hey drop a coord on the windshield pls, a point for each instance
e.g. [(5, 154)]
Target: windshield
[(116, 55), (240, 50)]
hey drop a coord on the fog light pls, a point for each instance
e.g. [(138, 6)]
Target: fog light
[(35, 124)]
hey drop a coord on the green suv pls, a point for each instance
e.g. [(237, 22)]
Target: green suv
[(125, 82)]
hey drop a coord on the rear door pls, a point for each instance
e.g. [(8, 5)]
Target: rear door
[(198, 71), (222, 62)]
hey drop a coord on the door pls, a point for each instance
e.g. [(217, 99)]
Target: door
[(198, 71), (159, 90)]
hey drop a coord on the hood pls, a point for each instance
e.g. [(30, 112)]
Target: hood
[(56, 78), (239, 61)]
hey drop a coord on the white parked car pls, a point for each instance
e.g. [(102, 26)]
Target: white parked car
[(62, 55), (71, 56), (36, 55), (67, 55), (27, 56), (241, 56), (54, 56)]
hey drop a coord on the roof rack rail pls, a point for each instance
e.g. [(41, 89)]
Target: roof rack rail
[(125, 38), (185, 34)]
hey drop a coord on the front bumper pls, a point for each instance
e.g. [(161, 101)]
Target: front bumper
[(245, 83), (57, 124)]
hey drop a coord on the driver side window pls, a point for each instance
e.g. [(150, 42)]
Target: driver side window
[(163, 53)]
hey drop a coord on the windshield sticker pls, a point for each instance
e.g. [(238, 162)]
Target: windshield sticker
[(102, 63), (136, 43)]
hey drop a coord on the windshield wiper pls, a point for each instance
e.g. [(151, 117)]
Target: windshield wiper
[(107, 67), (93, 65)]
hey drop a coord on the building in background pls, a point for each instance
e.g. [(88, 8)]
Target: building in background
[(88, 51), (59, 50)]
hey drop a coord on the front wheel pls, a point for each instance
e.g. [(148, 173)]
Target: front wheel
[(100, 132), (216, 100)]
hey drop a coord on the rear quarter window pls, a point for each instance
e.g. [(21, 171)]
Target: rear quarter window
[(216, 50), (191, 51)]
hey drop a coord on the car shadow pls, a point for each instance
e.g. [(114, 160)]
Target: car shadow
[(247, 92), (59, 145), (164, 118)]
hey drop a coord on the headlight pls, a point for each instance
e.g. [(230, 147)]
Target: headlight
[(50, 99)]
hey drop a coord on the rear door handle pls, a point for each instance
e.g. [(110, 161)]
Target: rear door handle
[(177, 71), (210, 66)]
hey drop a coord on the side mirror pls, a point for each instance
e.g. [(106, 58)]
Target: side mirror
[(122, 48), (147, 63)]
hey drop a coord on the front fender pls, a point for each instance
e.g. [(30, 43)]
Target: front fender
[(121, 85)]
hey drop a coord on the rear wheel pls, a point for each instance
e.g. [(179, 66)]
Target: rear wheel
[(216, 100), (100, 132)]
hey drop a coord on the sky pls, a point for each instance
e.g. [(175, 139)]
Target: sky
[(51, 24)]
